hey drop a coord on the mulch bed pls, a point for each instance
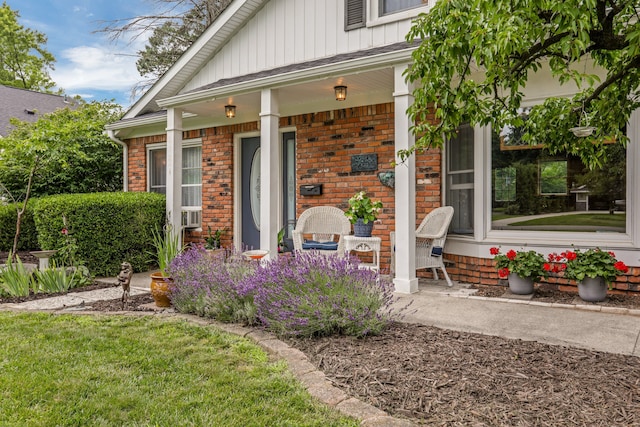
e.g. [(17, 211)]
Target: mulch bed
[(440, 377)]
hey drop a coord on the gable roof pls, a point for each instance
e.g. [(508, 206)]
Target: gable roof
[(237, 13), (26, 105)]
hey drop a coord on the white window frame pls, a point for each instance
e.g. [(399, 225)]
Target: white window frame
[(626, 245), (375, 18), (163, 145)]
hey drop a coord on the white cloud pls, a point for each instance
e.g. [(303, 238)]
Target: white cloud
[(95, 68)]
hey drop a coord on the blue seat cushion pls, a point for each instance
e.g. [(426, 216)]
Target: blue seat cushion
[(321, 246)]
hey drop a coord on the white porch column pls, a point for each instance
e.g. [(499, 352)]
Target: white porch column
[(405, 189), (270, 167), (174, 169)]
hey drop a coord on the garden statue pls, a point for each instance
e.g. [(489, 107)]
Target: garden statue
[(124, 278)]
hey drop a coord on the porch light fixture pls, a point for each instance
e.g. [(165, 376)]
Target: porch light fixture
[(230, 111), (341, 92)]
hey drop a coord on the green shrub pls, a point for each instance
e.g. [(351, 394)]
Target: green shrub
[(108, 228), (28, 235)]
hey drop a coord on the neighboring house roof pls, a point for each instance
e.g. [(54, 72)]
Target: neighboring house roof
[(26, 105)]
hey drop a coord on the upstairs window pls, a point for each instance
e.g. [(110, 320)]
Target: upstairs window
[(392, 6)]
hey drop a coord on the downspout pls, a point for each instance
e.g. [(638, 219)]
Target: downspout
[(125, 158)]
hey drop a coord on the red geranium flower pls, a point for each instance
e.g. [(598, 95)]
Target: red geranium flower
[(547, 266), (503, 273), (570, 256), (494, 251), (511, 254), (621, 266)]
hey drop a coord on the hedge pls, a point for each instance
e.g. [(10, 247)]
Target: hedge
[(109, 228)]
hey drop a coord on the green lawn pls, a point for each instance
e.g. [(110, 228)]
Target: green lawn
[(123, 371), (602, 220)]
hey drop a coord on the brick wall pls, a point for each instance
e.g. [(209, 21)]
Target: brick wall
[(325, 143)]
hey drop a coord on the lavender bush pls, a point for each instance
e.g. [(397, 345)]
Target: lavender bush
[(213, 285), (312, 295)]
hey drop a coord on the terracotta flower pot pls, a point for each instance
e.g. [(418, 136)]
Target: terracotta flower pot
[(160, 289)]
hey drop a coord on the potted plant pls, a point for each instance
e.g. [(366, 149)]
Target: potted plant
[(521, 268), (362, 212), (592, 269), (214, 240), (167, 246)]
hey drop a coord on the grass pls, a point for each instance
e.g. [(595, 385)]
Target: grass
[(122, 371), (601, 220)]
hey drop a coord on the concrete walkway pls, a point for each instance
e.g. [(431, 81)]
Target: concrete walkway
[(607, 329), (595, 327)]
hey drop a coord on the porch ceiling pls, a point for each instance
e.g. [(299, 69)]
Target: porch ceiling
[(364, 88)]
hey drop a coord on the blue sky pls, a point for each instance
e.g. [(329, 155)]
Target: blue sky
[(87, 63)]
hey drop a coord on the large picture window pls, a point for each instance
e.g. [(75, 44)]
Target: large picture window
[(535, 190), (191, 173)]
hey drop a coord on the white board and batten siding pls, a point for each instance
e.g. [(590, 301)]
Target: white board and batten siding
[(285, 32)]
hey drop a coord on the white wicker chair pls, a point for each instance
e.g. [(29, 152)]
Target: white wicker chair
[(431, 235), (323, 224)]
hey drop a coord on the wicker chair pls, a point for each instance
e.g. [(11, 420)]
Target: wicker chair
[(431, 235), (323, 224)]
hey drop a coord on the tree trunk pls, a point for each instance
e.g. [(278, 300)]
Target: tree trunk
[(20, 212)]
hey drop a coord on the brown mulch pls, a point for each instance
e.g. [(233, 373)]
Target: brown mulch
[(440, 377), (548, 293)]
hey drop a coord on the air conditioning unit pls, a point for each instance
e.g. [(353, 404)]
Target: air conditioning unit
[(191, 218)]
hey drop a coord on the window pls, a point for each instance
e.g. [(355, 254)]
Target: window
[(191, 173), (391, 6), (460, 185), (535, 190)]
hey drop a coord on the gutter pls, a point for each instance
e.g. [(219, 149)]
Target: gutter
[(125, 158)]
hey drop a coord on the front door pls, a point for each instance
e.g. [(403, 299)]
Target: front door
[(250, 148), (250, 154)]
